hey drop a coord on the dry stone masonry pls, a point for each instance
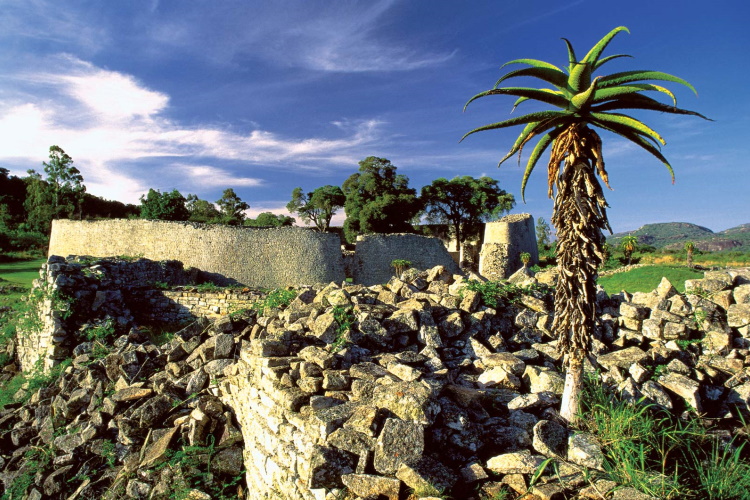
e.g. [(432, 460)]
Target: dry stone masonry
[(361, 392), (504, 242)]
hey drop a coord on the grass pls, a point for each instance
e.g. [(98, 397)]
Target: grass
[(20, 273), (647, 278), (661, 455)]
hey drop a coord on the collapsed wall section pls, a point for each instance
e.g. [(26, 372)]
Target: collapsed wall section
[(258, 257), (504, 241), (375, 252)]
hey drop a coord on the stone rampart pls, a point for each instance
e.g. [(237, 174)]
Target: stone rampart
[(375, 252), (504, 241), (258, 257)]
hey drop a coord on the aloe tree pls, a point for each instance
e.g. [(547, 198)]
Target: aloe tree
[(689, 248), (629, 245), (582, 101)]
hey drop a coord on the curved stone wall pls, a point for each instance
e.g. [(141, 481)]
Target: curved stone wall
[(504, 241), (256, 257), (375, 252)]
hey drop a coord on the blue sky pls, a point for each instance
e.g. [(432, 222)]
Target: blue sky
[(266, 96)]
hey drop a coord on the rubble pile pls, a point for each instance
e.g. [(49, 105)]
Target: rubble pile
[(413, 387)]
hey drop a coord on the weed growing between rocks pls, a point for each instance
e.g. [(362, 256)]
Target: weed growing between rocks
[(661, 455), (281, 297), (492, 292)]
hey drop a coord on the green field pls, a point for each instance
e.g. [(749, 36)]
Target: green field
[(645, 279), (18, 273)]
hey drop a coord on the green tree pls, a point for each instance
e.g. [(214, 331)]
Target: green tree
[(629, 245), (268, 219), (317, 207), (378, 200), (65, 182), (164, 206), (579, 213), (543, 234), (201, 210), (689, 249), (39, 203), (231, 208), (464, 203)]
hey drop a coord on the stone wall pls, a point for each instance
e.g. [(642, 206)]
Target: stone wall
[(375, 252), (504, 241), (71, 294), (189, 303), (258, 257)]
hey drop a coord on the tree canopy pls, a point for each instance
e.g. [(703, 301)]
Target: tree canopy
[(164, 206), (378, 200), (231, 208), (317, 207), (465, 202), (269, 219), (201, 210)]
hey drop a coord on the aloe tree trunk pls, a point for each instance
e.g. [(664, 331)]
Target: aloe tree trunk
[(579, 214)]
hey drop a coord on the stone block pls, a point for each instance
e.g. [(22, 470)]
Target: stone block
[(399, 443)]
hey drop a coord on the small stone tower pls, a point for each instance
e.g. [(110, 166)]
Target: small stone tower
[(504, 241)]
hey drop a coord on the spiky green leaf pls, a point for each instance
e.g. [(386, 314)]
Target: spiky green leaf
[(640, 101), (536, 153), (601, 62), (580, 77), (638, 139), (520, 120), (571, 54), (627, 121), (605, 94), (554, 76), (529, 132), (532, 62), (536, 94), (592, 57), (640, 75)]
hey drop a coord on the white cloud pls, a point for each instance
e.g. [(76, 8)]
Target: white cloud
[(332, 36), (208, 176), (118, 120)]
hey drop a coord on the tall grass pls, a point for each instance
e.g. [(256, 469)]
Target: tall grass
[(661, 455)]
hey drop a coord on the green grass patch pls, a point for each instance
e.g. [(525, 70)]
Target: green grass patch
[(20, 273), (661, 455), (645, 279)]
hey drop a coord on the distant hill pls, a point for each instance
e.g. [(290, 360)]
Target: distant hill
[(673, 235)]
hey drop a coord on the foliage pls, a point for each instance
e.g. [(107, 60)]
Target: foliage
[(231, 208), (193, 464), (317, 207), (164, 206), (492, 292), (66, 183), (647, 278), (378, 200), (629, 244), (36, 460), (280, 297), (662, 456), (201, 210), (345, 319), (268, 219), (23, 385), (464, 203), (400, 265), (101, 332), (543, 234), (208, 286), (525, 258)]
